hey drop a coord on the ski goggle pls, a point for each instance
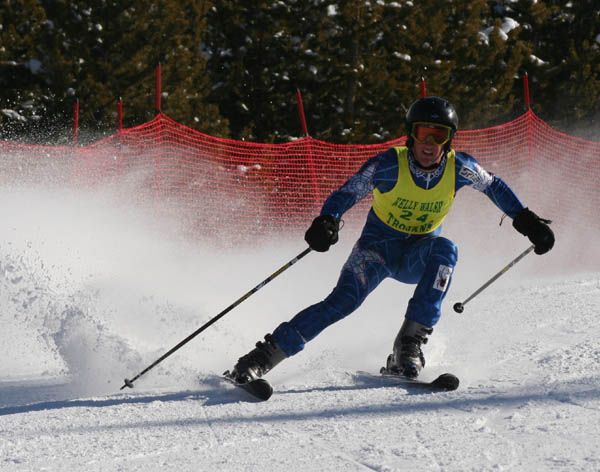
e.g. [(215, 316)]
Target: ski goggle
[(431, 133)]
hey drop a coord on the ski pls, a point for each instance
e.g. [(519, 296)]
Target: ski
[(259, 388), (444, 383), (262, 390)]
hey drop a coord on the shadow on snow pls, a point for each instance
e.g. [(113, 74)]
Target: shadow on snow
[(55, 397)]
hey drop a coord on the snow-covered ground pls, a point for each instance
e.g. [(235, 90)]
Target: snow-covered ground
[(92, 292)]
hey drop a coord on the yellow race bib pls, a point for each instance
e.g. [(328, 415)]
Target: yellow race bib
[(410, 208)]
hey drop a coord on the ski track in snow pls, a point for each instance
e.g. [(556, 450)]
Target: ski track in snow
[(86, 307)]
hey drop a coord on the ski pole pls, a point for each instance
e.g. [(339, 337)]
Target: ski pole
[(129, 382), (459, 307)]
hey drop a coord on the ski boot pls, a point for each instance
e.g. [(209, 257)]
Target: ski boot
[(407, 359), (257, 362)]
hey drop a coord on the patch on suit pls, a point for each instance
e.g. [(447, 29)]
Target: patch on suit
[(442, 279), (479, 177)]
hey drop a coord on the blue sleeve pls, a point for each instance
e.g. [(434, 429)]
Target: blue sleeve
[(469, 172), (380, 171)]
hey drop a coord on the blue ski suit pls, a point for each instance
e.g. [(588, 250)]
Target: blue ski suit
[(426, 260)]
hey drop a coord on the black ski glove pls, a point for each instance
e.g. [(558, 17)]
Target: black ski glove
[(323, 232), (536, 229)]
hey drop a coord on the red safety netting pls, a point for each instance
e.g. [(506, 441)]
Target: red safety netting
[(255, 188)]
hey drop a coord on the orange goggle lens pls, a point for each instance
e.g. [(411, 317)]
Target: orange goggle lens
[(433, 134)]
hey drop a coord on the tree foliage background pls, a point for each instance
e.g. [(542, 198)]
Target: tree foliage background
[(231, 68)]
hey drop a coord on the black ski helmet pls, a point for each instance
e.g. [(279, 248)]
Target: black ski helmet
[(431, 110)]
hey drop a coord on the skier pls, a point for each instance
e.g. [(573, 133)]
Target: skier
[(413, 189)]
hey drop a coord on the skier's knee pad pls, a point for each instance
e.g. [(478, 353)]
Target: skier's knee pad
[(444, 251)]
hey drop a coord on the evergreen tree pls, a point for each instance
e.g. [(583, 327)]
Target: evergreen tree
[(261, 52), (27, 99), (170, 34), (98, 50), (491, 69), (565, 66), (233, 67), (247, 63), (358, 64), (348, 86)]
